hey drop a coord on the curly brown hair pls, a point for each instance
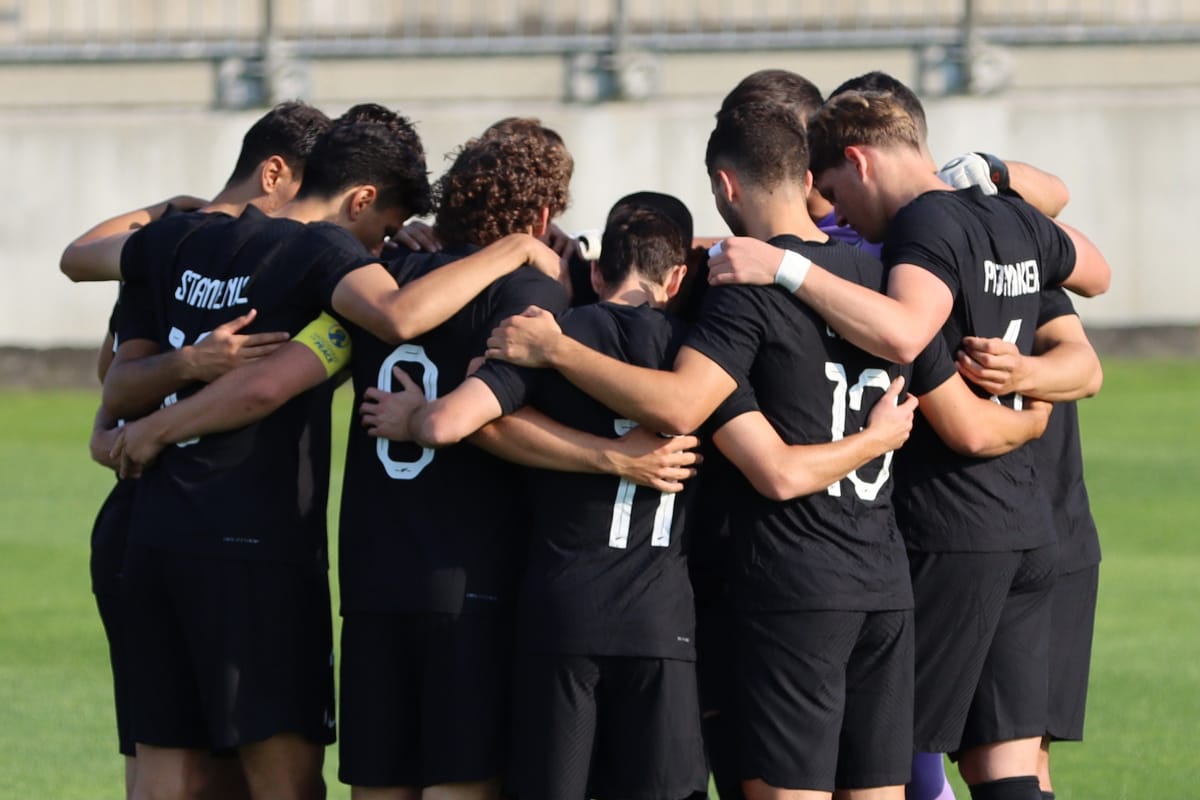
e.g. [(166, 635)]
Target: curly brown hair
[(500, 182)]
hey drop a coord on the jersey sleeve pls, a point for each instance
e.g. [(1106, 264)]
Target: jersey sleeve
[(730, 329), (742, 401), (134, 314), (331, 253), (921, 236), (1054, 304), (933, 367), (514, 385)]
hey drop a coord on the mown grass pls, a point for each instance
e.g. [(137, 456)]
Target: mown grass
[(1142, 448)]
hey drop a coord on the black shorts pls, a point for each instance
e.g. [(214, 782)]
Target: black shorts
[(983, 624), (1072, 621), (109, 535), (606, 727), (226, 653), (423, 698), (825, 698)]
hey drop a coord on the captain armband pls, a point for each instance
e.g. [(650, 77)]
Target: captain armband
[(329, 342)]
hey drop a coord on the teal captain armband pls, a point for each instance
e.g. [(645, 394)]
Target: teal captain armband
[(329, 342)]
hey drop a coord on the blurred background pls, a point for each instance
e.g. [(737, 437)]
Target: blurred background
[(107, 105)]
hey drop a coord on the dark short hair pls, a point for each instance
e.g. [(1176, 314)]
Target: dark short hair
[(289, 130), (763, 142), (882, 83), (855, 118), (386, 154), (777, 86), (644, 240), (665, 204), (500, 182)]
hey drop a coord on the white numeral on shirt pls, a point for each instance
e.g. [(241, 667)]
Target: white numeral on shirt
[(1010, 335), (406, 470), (178, 339), (618, 532), (845, 396)]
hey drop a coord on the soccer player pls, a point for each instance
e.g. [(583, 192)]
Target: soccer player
[(226, 563), (428, 545), (605, 700), (981, 276), (267, 174)]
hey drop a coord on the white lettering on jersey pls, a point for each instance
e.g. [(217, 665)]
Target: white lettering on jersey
[(201, 292), (1011, 280)]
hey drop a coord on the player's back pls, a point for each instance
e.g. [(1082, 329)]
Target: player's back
[(426, 530), (995, 254), (257, 491), (837, 548), (606, 572)]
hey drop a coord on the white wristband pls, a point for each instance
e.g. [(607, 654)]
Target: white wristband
[(793, 268), (716, 250)]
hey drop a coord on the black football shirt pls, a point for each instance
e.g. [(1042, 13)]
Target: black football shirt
[(606, 572), (257, 492), (837, 549), (426, 530), (996, 255)]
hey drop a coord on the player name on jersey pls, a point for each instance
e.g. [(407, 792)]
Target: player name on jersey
[(1011, 280), (211, 293)]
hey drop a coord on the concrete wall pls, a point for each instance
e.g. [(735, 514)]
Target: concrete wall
[(1127, 157)]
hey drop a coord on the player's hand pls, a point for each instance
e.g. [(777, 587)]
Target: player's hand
[(225, 349), (545, 260), (527, 339), (661, 463), (994, 365), (742, 260), (417, 235), (969, 169), (1039, 410), (101, 444), (136, 448), (385, 415), (559, 241), (890, 420)]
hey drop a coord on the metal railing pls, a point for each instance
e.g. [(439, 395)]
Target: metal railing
[(130, 30)]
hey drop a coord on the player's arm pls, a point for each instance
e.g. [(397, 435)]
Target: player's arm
[(140, 375), (530, 438), (369, 296), (896, 326), (103, 439), (974, 426), (1092, 274), (95, 255), (237, 398), (1064, 365), (673, 402), (780, 471), (1042, 190), (1045, 192)]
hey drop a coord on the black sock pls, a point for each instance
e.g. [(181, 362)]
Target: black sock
[(1022, 788)]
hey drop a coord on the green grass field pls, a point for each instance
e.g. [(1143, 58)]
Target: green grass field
[(1141, 442)]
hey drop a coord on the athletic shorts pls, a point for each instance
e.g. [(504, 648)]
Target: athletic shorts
[(109, 535), (825, 698), (423, 697), (1072, 621), (606, 727), (226, 653), (983, 625)]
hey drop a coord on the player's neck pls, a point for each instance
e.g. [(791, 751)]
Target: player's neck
[(309, 209), (233, 200), (779, 219), (907, 180), (635, 291)]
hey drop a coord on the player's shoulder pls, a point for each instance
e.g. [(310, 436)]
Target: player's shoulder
[(327, 234), (844, 260)]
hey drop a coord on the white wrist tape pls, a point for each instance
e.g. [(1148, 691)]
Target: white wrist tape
[(715, 250), (792, 270)]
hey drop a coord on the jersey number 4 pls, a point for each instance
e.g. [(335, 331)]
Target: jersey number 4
[(622, 518)]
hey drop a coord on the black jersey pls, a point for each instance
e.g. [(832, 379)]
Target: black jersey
[(423, 529), (995, 254), (256, 492), (1060, 466), (606, 573), (838, 548)]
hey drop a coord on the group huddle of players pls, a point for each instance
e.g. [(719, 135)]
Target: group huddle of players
[(776, 510)]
